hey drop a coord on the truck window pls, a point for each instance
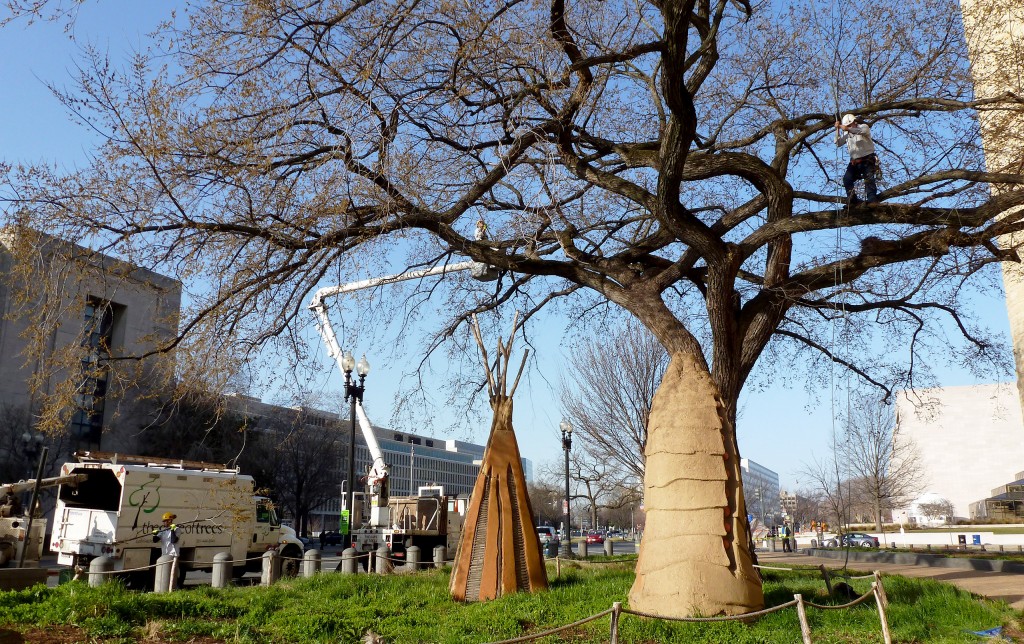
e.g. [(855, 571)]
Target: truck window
[(101, 491), (266, 514)]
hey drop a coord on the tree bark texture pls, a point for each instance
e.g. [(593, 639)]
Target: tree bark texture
[(695, 557), (499, 552)]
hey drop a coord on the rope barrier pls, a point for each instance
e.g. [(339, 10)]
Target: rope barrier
[(877, 592), (537, 636), (725, 618)]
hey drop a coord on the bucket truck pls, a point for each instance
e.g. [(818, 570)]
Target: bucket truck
[(429, 519)]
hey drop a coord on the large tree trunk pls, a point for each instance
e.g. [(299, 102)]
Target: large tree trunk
[(695, 556)]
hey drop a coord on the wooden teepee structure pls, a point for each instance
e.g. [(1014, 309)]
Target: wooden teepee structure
[(499, 552)]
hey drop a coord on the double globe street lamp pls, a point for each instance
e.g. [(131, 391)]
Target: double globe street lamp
[(353, 395), (566, 549)]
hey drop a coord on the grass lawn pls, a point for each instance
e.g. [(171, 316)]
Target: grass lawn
[(416, 608)]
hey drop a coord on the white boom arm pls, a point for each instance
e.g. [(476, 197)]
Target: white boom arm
[(379, 468)]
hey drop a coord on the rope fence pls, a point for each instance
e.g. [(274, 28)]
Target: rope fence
[(876, 592)]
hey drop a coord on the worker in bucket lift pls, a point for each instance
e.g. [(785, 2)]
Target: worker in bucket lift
[(856, 134), (167, 535)]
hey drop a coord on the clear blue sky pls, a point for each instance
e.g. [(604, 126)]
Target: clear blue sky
[(778, 427)]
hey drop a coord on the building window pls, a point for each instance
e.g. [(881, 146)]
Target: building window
[(398, 437), (430, 443), (87, 421)]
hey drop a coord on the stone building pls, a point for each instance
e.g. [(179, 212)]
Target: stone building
[(66, 315), (969, 439)]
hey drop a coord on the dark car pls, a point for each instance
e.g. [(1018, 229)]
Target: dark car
[(854, 540), (330, 538)]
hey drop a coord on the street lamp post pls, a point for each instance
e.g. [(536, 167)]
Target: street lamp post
[(32, 444), (33, 450), (353, 395), (566, 427)]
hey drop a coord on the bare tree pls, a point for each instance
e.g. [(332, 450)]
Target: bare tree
[(547, 499), (938, 510), (607, 393), (306, 459), (594, 485), (672, 158), (884, 466), (829, 488)]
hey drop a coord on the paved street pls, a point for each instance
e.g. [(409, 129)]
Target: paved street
[(1008, 587)]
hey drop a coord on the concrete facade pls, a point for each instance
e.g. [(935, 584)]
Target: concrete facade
[(761, 490), (969, 439), (97, 309), (994, 30), (414, 459)]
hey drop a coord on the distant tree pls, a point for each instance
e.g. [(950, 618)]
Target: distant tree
[(607, 393), (197, 425), (597, 485), (809, 507), (884, 465), (547, 499), (306, 457), (938, 510), (830, 490)]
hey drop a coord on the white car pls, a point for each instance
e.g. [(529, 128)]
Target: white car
[(547, 534)]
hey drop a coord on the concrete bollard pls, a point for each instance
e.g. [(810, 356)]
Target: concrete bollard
[(412, 557), (582, 550), (271, 568), (439, 556), (162, 578), (222, 570), (609, 547), (98, 569), (310, 563), (349, 562), (383, 565), (814, 543)]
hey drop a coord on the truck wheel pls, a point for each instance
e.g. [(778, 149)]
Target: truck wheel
[(291, 561)]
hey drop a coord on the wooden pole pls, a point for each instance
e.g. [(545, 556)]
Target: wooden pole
[(801, 612), (881, 588), (828, 582), (886, 635), (616, 609)]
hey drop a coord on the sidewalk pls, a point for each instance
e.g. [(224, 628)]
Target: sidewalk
[(1008, 587)]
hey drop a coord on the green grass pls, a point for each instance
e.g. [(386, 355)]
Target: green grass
[(416, 608)]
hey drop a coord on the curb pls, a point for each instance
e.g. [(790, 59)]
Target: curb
[(916, 559)]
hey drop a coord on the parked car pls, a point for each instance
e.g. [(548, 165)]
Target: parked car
[(853, 539), (547, 534), (330, 538), (594, 537)]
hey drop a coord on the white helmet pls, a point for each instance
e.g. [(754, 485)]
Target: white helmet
[(848, 119)]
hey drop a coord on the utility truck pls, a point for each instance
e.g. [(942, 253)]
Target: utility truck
[(21, 539), (116, 506), (429, 519)]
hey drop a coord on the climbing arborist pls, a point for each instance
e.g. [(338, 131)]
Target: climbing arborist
[(856, 134)]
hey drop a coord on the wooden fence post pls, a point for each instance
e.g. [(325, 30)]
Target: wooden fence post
[(881, 588), (886, 635), (616, 609), (828, 582), (801, 612)]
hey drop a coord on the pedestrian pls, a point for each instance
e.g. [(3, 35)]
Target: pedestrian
[(167, 535), (856, 134), (786, 534)]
